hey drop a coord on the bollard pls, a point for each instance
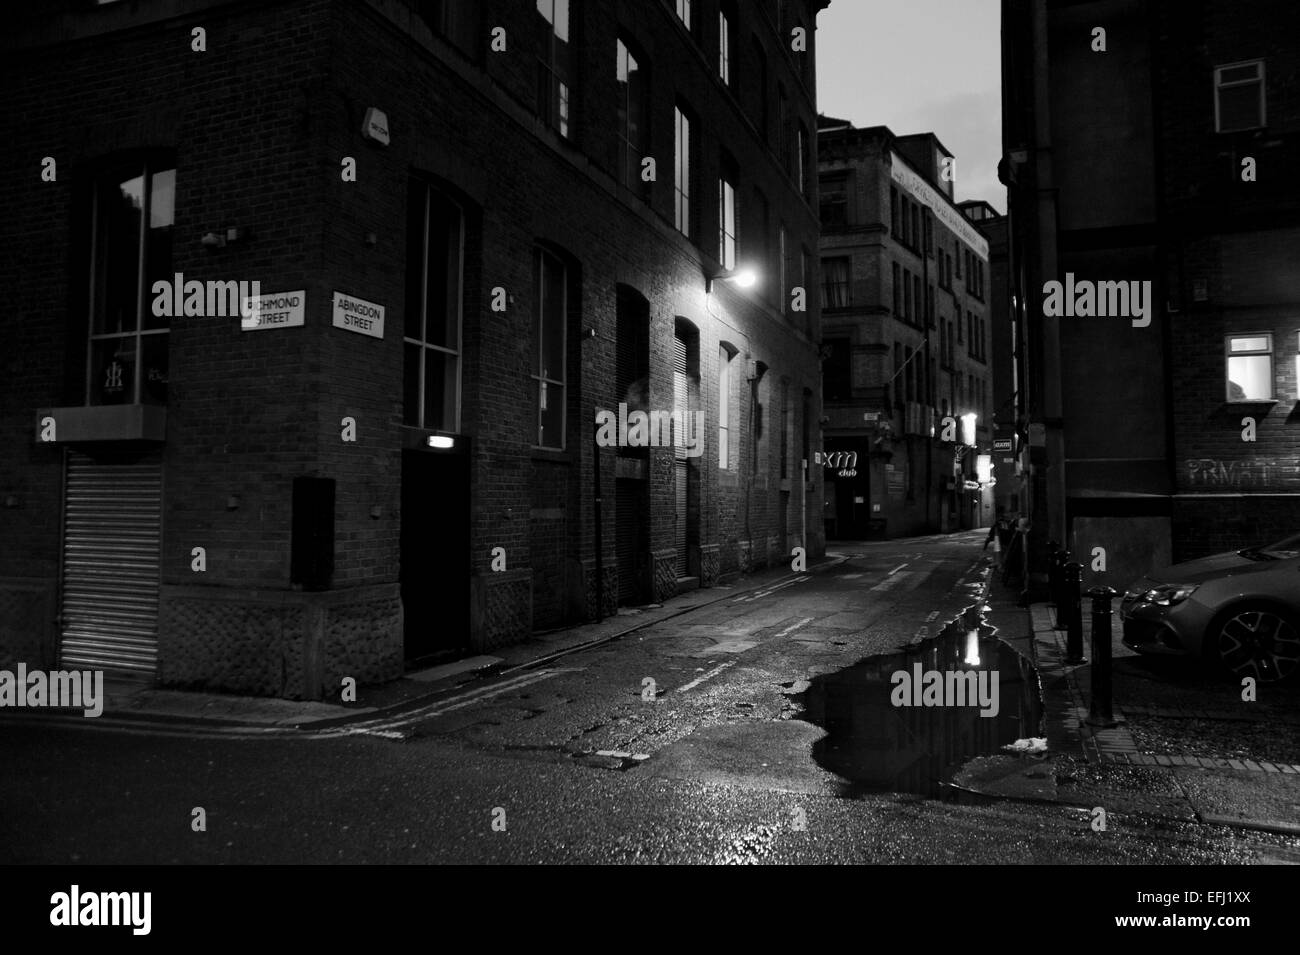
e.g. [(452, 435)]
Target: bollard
[(1100, 710), (1060, 598), (1071, 609)]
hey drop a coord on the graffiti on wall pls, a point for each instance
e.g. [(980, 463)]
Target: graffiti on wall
[(1244, 472)]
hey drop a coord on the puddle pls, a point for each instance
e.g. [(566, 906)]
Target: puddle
[(878, 746)]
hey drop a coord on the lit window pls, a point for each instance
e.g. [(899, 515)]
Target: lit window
[(724, 406), (724, 48), (1239, 96), (1250, 367), (727, 222), (133, 214)]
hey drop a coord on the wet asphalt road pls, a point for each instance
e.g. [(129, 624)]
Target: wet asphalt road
[(719, 766)]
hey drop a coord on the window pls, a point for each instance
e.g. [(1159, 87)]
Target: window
[(724, 47), (684, 12), (804, 178), (1250, 367), (785, 428), (133, 212), (907, 294), (898, 370), (682, 172), (781, 254), (835, 282), (758, 242), (950, 348), (893, 211), (959, 256), (909, 389), (929, 306), (725, 359), (727, 219), (759, 87), (833, 199), (555, 67), (805, 270), (836, 375), (959, 327), (916, 226), (454, 20), (434, 297), (897, 287), (907, 220), (783, 127), (633, 118), (550, 304), (1239, 96), (917, 302)]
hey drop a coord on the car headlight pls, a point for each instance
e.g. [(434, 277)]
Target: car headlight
[(1166, 595)]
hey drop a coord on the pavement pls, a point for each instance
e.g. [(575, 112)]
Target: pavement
[(1182, 745)]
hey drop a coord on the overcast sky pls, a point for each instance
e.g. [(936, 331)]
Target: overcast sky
[(919, 66)]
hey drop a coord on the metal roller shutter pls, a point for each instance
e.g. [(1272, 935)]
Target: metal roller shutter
[(681, 405), (112, 535)]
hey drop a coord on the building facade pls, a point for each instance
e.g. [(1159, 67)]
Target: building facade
[(355, 335), (1002, 357), (1146, 154), (906, 376)]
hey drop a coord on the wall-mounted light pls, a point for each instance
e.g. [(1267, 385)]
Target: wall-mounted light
[(212, 240), (744, 276), (441, 441), (968, 428)]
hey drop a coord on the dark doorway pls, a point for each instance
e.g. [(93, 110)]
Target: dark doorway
[(434, 571)]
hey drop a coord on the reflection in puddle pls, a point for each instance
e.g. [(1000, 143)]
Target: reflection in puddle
[(880, 747)]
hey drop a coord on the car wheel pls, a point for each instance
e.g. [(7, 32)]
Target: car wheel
[(1256, 641)]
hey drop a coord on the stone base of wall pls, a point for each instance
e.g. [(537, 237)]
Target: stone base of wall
[(665, 579), (710, 565), (27, 628), (501, 608), (290, 644)]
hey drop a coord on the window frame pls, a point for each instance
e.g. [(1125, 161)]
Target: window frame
[(1219, 86), (728, 220), (558, 113), (146, 168), (629, 114), (1267, 352), (540, 254), (428, 189), (682, 171)]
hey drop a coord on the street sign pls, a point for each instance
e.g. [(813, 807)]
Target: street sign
[(274, 310), (1001, 444), (358, 315), (871, 416)]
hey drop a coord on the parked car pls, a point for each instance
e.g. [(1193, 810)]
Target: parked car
[(1239, 611)]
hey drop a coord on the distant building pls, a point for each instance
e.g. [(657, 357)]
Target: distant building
[(905, 338), (1007, 491), (1150, 154), (475, 227)]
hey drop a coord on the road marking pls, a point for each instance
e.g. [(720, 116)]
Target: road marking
[(897, 569), (794, 626), (708, 676), (444, 706), (770, 590)]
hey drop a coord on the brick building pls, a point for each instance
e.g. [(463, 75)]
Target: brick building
[(1164, 136), (905, 338), (474, 227)]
